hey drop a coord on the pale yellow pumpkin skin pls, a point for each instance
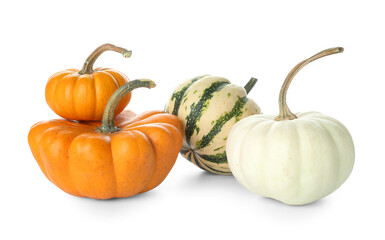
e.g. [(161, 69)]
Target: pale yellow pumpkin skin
[(208, 107)]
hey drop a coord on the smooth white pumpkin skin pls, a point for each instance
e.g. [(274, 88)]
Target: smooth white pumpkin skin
[(294, 161)]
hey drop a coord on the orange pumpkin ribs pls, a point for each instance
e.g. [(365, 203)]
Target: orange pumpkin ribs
[(131, 156), (82, 95)]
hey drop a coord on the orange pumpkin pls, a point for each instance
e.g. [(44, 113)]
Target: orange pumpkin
[(119, 157), (82, 95)]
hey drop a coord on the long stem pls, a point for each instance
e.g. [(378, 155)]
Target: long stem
[(250, 84), (109, 110), (89, 63), (284, 111)]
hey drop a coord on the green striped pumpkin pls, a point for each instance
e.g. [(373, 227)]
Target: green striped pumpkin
[(208, 107)]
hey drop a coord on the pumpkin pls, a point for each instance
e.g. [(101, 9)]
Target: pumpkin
[(293, 158), (208, 107), (114, 158), (82, 95)]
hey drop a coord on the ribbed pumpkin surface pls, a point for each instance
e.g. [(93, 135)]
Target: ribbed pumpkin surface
[(83, 97), (86, 163), (208, 107)]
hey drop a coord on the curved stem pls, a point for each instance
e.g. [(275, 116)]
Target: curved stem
[(109, 110), (284, 111), (89, 63), (250, 84)]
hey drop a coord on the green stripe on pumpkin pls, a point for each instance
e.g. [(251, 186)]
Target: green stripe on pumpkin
[(222, 120), (219, 148), (189, 156), (196, 159), (201, 164), (178, 96), (217, 158), (184, 151), (197, 110), (213, 170), (193, 158)]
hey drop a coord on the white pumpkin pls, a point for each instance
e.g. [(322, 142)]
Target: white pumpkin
[(296, 159)]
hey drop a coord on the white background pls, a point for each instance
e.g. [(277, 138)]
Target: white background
[(173, 41)]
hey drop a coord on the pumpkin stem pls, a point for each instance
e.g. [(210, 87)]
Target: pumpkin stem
[(250, 84), (284, 111), (89, 63), (109, 110)]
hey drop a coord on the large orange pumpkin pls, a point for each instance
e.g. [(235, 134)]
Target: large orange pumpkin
[(119, 157), (82, 95)]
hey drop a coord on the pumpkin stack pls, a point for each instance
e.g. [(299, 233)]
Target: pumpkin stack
[(95, 152)]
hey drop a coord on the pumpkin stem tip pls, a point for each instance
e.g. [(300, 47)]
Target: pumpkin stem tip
[(151, 84), (250, 84), (127, 53)]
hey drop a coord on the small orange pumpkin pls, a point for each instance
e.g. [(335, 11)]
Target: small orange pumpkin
[(82, 95), (118, 157)]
